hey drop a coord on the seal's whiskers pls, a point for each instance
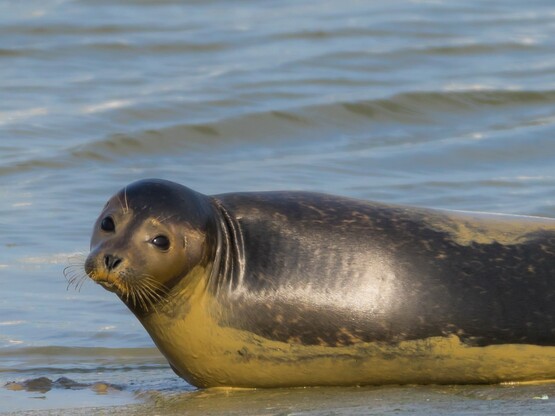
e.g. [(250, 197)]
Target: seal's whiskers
[(75, 271)]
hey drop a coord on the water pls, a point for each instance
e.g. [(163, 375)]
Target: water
[(432, 103)]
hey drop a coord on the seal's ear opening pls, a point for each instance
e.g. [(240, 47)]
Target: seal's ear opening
[(194, 245)]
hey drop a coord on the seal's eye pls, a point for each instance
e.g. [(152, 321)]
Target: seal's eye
[(162, 242), (107, 224)]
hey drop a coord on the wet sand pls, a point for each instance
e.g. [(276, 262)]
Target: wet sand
[(398, 400)]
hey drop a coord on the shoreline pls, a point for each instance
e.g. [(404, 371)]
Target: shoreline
[(346, 401)]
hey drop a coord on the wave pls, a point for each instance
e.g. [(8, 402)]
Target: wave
[(67, 352), (82, 29), (307, 125), (57, 359)]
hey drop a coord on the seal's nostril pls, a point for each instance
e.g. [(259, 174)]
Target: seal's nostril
[(111, 262)]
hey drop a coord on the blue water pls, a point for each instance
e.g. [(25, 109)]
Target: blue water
[(432, 103)]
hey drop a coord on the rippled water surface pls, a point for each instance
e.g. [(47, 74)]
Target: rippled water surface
[(435, 103)]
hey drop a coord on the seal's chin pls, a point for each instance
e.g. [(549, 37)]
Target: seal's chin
[(109, 286)]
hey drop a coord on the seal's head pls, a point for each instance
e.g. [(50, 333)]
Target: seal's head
[(147, 238)]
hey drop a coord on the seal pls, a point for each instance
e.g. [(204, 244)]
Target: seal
[(273, 289)]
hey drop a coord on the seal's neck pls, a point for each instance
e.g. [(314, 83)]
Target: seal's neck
[(229, 265)]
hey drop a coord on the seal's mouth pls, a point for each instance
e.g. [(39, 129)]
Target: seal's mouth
[(110, 283)]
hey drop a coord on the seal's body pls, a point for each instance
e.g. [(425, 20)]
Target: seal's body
[(297, 289)]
